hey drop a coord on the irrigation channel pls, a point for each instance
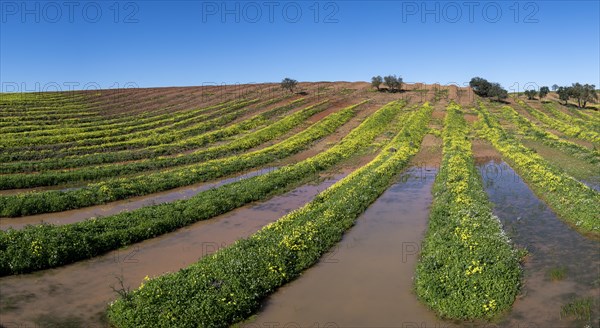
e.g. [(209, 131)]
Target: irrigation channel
[(553, 247), (366, 280), (131, 204), (77, 295)]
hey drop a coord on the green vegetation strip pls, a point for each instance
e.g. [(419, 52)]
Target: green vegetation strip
[(534, 132), (100, 130), (572, 200), (128, 142), (122, 188), (45, 246), (122, 118), (228, 286), (114, 139), (468, 267), (194, 142), (551, 108), (566, 128)]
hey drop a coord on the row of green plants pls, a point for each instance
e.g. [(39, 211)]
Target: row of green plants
[(107, 138), (126, 142), (87, 105), (163, 122), (534, 132), (567, 129), (468, 268), (550, 107), (132, 125), (584, 114), (229, 285), (572, 200), (45, 246), (251, 140), (126, 187), (195, 142)]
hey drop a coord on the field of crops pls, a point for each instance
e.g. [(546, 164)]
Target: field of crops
[(228, 205)]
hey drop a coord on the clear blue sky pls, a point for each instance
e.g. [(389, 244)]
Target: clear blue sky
[(156, 43)]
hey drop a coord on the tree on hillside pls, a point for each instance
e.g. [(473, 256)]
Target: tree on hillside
[(480, 86), (484, 88), (583, 93), (376, 81), (530, 94), (544, 91), (555, 87), (289, 84), (564, 94), (392, 82), (497, 91)]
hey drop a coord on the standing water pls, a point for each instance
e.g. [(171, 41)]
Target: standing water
[(367, 279), (562, 265), (77, 295)]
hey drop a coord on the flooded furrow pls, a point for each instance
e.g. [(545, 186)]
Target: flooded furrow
[(130, 204), (562, 265), (77, 294), (367, 279)]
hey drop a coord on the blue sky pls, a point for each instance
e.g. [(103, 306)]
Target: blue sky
[(61, 44)]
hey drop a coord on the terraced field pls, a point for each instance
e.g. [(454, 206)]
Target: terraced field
[(336, 206)]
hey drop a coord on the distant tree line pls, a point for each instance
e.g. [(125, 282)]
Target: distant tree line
[(531, 94), (484, 88), (392, 82), (583, 93)]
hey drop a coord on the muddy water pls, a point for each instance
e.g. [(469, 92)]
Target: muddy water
[(78, 293), (367, 279), (130, 204), (551, 244)]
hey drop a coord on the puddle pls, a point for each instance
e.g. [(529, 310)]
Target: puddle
[(367, 279), (552, 244), (130, 204), (80, 292)]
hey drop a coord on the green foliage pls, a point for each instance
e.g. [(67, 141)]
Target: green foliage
[(544, 91), (393, 83), (468, 268), (530, 94), (289, 84), (125, 187), (484, 88), (572, 200), (113, 170), (580, 309), (534, 132), (228, 286), (376, 81), (570, 130), (558, 273), (44, 246)]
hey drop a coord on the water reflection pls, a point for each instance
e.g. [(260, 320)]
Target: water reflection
[(552, 245)]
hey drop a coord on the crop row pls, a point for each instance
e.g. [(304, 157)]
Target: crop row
[(551, 108), (584, 114), (122, 188), (534, 132), (103, 129), (96, 106), (178, 146), (20, 250), (246, 142), (126, 141), (111, 136), (228, 286), (572, 200), (567, 129), (85, 105), (468, 267)]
